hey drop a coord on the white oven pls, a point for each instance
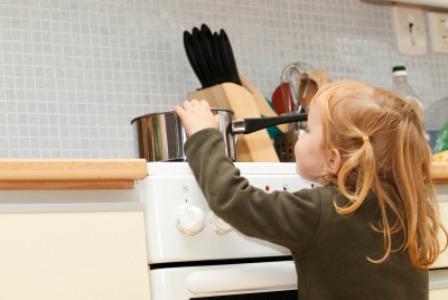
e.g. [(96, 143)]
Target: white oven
[(193, 254)]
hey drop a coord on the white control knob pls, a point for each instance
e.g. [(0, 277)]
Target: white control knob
[(221, 226), (190, 219)]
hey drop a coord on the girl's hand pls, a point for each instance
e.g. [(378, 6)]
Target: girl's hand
[(196, 115)]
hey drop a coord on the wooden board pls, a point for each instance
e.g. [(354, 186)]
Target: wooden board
[(255, 147)]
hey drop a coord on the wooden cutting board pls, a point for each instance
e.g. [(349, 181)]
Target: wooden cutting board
[(254, 147)]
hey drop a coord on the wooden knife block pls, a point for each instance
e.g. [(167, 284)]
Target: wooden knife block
[(253, 147)]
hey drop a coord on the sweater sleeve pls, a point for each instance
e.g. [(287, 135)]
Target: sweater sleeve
[(284, 218)]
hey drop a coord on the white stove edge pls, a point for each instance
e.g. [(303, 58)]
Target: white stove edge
[(246, 168)]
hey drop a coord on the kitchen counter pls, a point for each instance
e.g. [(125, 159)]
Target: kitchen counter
[(439, 172), (71, 173), (99, 173), (76, 225)]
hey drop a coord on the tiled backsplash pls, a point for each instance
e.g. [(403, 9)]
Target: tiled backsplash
[(73, 74)]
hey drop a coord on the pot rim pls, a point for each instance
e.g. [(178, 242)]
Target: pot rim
[(173, 112), (152, 114)]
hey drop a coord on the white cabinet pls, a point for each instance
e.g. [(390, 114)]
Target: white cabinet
[(442, 261), (438, 295), (73, 252), (439, 276)]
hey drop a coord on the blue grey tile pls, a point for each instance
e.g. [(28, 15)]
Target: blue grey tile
[(77, 72)]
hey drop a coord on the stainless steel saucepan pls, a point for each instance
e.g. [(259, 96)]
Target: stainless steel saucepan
[(161, 136)]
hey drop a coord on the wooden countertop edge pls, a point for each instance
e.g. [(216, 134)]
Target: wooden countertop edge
[(83, 171), (68, 185), (439, 172), (67, 170)]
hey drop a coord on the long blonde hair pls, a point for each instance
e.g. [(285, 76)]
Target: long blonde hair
[(383, 151)]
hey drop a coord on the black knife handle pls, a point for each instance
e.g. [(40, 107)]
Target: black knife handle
[(192, 59), (230, 58), (200, 58)]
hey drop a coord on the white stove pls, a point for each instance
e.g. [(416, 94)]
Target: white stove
[(181, 227), (193, 254), (191, 248)]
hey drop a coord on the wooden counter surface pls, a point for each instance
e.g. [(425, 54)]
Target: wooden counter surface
[(99, 173), (439, 172), (71, 173)]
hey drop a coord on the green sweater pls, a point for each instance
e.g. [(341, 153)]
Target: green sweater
[(330, 250)]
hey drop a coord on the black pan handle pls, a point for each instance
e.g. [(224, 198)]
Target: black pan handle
[(254, 124)]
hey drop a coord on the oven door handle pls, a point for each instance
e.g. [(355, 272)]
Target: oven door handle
[(248, 277)]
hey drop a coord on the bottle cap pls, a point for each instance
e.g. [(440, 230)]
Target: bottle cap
[(399, 70)]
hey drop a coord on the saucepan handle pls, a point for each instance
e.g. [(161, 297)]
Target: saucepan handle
[(254, 124)]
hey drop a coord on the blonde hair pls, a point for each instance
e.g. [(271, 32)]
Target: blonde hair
[(382, 142)]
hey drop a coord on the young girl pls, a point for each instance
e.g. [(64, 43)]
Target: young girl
[(371, 231)]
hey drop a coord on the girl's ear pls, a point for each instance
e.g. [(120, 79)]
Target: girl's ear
[(334, 162)]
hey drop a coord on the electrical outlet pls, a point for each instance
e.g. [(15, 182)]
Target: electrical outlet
[(438, 28), (410, 30)]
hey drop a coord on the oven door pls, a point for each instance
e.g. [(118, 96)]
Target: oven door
[(249, 281)]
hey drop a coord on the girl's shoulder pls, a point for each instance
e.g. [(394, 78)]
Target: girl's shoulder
[(319, 193), (327, 191), (330, 197)]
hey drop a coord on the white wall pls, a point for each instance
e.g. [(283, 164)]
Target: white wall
[(74, 73)]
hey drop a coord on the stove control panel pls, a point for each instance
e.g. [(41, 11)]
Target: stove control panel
[(180, 226)]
